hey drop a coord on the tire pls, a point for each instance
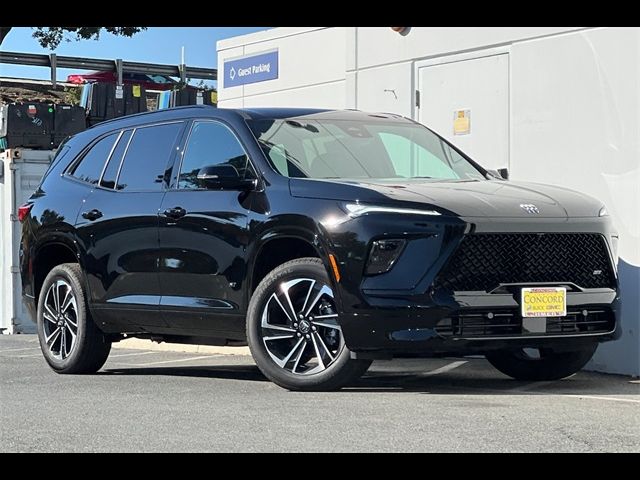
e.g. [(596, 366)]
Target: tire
[(313, 350), (549, 365), (89, 348)]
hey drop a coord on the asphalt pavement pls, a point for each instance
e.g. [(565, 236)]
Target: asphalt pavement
[(155, 401)]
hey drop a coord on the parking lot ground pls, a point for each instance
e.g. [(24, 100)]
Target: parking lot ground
[(146, 400)]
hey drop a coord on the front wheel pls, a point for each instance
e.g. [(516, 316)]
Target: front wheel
[(541, 363), (293, 330)]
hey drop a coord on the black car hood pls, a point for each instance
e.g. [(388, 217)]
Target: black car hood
[(465, 198)]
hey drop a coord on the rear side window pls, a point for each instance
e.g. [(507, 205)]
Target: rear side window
[(147, 158), (90, 167), (111, 171)]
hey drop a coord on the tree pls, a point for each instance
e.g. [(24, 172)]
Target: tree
[(50, 37)]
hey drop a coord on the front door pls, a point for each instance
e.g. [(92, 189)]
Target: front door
[(203, 235)]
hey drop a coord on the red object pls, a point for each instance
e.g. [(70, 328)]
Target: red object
[(150, 82), (24, 210)]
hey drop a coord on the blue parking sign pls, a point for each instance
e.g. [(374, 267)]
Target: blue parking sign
[(251, 69)]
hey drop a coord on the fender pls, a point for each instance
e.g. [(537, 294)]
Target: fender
[(301, 228)]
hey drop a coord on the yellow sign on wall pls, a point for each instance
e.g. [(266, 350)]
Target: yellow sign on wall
[(462, 122), (136, 90)]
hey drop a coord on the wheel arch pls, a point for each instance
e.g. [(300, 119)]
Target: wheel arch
[(50, 253), (277, 246)]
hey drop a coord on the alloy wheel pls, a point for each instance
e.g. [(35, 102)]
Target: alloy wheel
[(299, 327), (60, 319)]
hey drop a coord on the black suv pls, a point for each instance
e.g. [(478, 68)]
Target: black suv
[(324, 239)]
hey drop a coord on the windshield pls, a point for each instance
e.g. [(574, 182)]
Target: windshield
[(349, 149)]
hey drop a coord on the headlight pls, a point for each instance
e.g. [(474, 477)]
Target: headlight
[(357, 210), (383, 255), (603, 212)]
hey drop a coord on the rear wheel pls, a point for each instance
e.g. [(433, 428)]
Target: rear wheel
[(69, 339), (541, 363), (293, 330)]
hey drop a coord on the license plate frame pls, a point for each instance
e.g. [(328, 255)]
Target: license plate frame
[(543, 302)]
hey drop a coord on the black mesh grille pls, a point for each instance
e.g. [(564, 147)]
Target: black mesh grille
[(484, 261)]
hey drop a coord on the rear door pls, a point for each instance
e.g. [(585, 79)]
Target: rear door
[(118, 226)]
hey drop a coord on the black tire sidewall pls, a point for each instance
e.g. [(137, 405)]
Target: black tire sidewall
[(552, 366), (66, 273), (331, 378)]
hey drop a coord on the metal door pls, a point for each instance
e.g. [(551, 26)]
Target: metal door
[(467, 102)]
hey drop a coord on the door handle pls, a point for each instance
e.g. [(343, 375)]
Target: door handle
[(175, 213), (92, 214)]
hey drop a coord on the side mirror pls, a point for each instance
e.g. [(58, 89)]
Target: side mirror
[(223, 177), (500, 173)]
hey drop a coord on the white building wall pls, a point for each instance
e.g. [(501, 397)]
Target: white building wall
[(386, 89), (382, 46), (573, 116), (312, 60), (325, 95)]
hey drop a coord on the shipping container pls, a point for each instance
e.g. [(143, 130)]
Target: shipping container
[(20, 173)]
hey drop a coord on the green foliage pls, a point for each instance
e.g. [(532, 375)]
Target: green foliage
[(50, 37), (202, 85), (72, 95)]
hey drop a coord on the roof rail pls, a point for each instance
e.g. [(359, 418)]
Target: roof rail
[(141, 114)]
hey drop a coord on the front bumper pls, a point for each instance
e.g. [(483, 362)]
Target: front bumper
[(478, 323), (402, 312)]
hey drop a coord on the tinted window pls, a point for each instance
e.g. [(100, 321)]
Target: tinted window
[(111, 172), (90, 167), (278, 156), (210, 143), (147, 157)]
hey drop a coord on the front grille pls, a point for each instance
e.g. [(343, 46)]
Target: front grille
[(508, 323), (483, 261)]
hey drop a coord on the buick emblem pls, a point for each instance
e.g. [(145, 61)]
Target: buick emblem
[(529, 208), (304, 326)]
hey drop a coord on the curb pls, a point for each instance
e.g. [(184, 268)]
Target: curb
[(143, 344)]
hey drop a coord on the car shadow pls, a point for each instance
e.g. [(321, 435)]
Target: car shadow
[(482, 379), (223, 372), (478, 379)]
